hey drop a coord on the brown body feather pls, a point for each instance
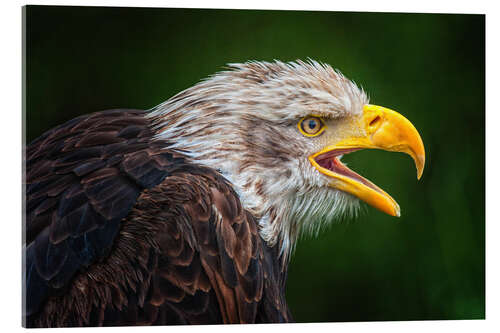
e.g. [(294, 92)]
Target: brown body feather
[(120, 231)]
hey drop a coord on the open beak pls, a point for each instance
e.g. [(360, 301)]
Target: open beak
[(384, 129)]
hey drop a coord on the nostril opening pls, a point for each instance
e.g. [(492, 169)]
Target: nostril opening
[(374, 121)]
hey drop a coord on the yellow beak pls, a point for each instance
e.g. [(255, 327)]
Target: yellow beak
[(383, 129)]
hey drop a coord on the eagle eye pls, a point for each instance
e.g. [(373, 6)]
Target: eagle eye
[(311, 126)]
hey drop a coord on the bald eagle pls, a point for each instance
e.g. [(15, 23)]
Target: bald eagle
[(187, 213)]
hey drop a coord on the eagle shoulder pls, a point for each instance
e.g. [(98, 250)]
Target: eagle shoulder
[(82, 178)]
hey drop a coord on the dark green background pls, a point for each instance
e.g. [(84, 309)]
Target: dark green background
[(428, 264)]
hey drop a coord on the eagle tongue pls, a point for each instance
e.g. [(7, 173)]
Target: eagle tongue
[(331, 162)]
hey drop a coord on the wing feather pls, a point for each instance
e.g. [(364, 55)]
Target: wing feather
[(82, 178)]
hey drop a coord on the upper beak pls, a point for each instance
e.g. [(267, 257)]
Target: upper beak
[(383, 129)]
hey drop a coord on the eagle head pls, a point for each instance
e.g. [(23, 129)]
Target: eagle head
[(277, 131)]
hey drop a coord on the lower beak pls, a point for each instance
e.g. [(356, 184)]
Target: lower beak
[(383, 129)]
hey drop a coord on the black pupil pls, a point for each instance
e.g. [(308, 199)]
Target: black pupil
[(312, 124)]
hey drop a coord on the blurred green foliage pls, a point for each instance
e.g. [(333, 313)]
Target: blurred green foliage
[(428, 264)]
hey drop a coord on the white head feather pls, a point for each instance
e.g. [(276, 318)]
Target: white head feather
[(243, 122)]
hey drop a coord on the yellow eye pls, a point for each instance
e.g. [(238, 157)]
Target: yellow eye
[(311, 126)]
